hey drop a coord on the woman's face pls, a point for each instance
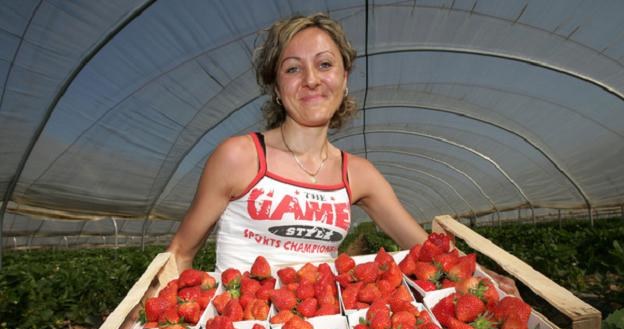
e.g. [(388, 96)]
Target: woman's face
[(311, 79)]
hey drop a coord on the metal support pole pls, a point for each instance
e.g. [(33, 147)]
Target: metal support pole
[(559, 216), (591, 216), (116, 232)]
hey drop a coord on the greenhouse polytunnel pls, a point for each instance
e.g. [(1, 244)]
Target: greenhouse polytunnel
[(488, 111)]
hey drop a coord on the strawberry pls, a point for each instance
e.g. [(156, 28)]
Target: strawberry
[(360, 326), (287, 275), (510, 305), (401, 293), (426, 272), (170, 315), (174, 326), (423, 317), (154, 306), (465, 286), (366, 272), (264, 293), (345, 278), (150, 325), (381, 320), (307, 307), (441, 240), (260, 269), (190, 277), (297, 323), (384, 287), (514, 321), (468, 307), (428, 325), (414, 252), (231, 278), (219, 322), (407, 265), (244, 299), (393, 274), (282, 317), (453, 323), (256, 309), (446, 260), (376, 307), (208, 281), (325, 270), (445, 309), (327, 309), (205, 297), (484, 321), (170, 292), (403, 320), (327, 295), (221, 300), (249, 286), (257, 326), (428, 251), (190, 293), (383, 259), (446, 283), (308, 273), (189, 311), (480, 287), (349, 295), (305, 290), (399, 305), (425, 285), (369, 293), (283, 299), (233, 310), (464, 268)]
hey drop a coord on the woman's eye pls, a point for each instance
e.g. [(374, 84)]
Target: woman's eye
[(292, 69), (326, 65)]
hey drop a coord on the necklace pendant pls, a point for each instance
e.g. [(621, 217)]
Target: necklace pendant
[(313, 179)]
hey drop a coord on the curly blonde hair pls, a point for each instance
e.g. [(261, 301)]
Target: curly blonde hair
[(266, 61)]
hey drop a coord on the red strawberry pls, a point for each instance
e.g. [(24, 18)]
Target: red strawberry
[(297, 323), (264, 293), (423, 317), (174, 326), (484, 321), (327, 295), (233, 310), (428, 251), (170, 292), (468, 307), (464, 268), (446, 260), (282, 317), (308, 273), (249, 286), (360, 326), (349, 295), (407, 265), (170, 315), (221, 300), (327, 309), (307, 307), (150, 325), (256, 309), (305, 290), (415, 252), (269, 282), (426, 272), (446, 283), (283, 299), (401, 293), (244, 299), (515, 322), (425, 285), (393, 274), (154, 306), (220, 322), (190, 293), (384, 287), (190, 312), (287, 275), (257, 326), (376, 307), (190, 277), (383, 259), (428, 325), (208, 281), (441, 240), (369, 293), (381, 320), (205, 297), (445, 309), (403, 320), (454, 323), (231, 278), (325, 270), (512, 305), (345, 278), (366, 272), (260, 269)]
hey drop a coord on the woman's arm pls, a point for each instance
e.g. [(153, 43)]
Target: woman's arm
[(218, 184), (375, 196)]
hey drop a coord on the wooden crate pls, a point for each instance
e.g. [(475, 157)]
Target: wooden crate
[(160, 271), (583, 315)]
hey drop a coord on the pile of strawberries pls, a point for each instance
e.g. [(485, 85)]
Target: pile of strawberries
[(467, 311), (433, 265), (364, 283), (181, 302), (400, 315), (307, 292), (246, 296)]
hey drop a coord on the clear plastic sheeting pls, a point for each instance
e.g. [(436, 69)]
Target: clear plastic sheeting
[(484, 110)]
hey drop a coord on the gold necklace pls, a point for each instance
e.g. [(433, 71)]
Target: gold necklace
[(312, 174)]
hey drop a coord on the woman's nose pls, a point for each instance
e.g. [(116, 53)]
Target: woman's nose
[(311, 78)]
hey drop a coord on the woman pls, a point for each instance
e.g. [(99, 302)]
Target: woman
[(286, 193)]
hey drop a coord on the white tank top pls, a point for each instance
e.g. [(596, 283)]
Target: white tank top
[(283, 220)]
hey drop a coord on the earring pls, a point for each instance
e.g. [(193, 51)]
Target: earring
[(278, 101), (346, 91)]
